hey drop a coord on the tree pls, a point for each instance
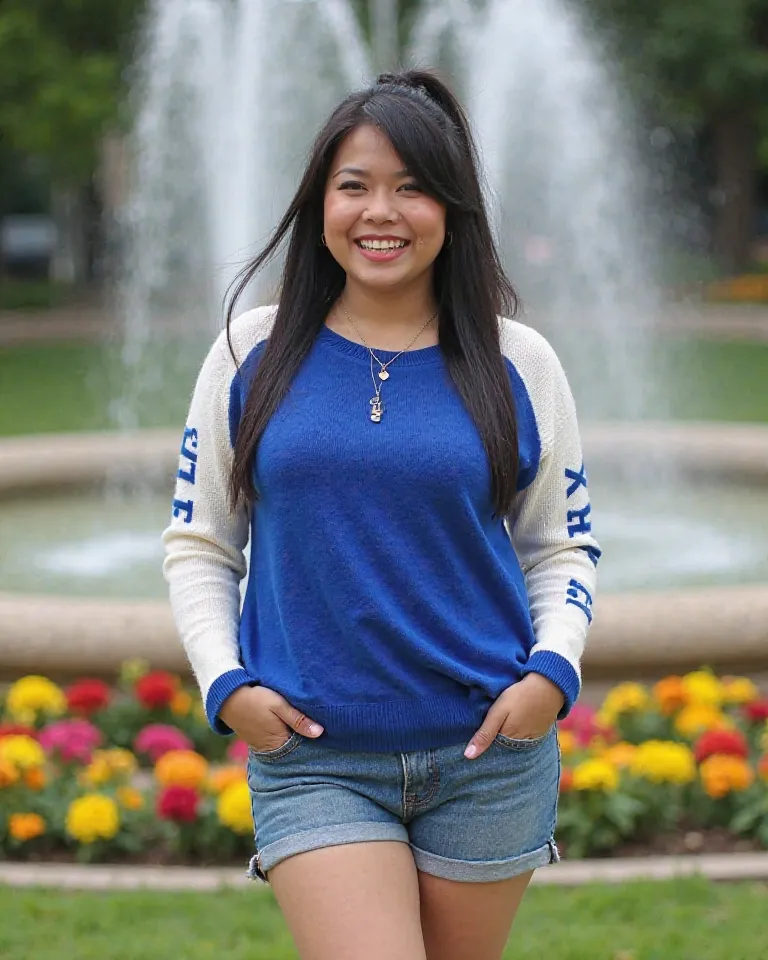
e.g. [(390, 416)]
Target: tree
[(704, 62), (60, 78)]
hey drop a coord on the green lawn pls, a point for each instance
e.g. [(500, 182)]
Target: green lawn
[(681, 920), (69, 386)]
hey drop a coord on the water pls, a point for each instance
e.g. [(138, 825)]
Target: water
[(63, 546)]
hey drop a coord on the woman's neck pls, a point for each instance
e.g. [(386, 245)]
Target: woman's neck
[(387, 319)]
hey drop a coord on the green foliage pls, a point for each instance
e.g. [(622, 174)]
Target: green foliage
[(60, 77), (694, 57)]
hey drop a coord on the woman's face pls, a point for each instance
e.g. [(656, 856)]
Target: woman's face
[(378, 225)]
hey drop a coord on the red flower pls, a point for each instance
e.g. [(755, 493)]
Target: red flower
[(178, 804), (16, 730), (757, 711), (728, 742), (87, 696), (156, 689), (72, 740)]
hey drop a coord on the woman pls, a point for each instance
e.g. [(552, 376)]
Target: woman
[(408, 467)]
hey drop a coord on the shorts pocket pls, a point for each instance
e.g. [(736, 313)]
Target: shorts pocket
[(511, 743), (270, 756)]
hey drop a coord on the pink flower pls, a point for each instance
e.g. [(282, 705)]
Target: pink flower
[(582, 722), (238, 752), (73, 741), (156, 739)]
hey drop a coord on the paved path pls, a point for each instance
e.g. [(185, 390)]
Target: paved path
[(721, 866), (93, 322)]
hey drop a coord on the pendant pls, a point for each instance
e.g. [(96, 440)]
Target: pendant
[(377, 409), (383, 374)]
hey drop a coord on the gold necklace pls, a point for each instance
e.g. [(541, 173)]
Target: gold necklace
[(376, 403)]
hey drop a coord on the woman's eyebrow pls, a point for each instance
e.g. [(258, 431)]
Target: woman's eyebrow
[(359, 172)]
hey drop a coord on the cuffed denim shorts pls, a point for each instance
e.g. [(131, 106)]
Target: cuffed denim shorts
[(469, 820)]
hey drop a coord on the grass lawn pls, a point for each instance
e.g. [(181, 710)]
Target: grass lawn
[(681, 920), (69, 386)]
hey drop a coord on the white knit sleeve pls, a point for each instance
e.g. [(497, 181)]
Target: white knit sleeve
[(205, 541), (551, 525)]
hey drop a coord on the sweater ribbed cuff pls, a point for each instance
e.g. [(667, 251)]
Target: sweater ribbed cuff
[(218, 692), (557, 669)]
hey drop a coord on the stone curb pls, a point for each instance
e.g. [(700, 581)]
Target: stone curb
[(721, 866)]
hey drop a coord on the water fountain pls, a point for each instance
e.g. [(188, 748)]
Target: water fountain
[(225, 114)]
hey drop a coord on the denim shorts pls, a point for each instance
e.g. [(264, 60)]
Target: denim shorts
[(469, 820)]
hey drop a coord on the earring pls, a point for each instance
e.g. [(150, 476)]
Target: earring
[(322, 240), (450, 238)]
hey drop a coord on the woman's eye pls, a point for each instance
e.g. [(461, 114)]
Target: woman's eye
[(411, 188), (351, 185)]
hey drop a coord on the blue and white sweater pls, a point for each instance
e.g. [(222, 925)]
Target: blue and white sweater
[(383, 598)]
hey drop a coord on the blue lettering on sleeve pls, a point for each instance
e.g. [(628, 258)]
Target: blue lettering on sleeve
[(579, 596), (594, 553), (183, 507), (577, 521), (579, 478), (189, 452)]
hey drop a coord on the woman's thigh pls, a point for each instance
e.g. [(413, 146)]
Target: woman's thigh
[(351, 901), (468, 921)]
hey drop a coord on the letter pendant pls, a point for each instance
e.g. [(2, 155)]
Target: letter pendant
[(377, 409)]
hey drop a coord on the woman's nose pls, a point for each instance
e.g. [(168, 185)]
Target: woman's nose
[(380, 209)]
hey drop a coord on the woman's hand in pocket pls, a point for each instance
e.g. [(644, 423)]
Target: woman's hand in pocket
[(524, 711), (264, 719)]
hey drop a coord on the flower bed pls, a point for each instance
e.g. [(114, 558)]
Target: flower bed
[(133, 772)]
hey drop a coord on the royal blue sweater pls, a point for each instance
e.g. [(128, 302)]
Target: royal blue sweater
[(384, 600)]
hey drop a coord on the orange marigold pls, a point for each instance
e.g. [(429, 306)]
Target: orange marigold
[(35, 778), (670, 694), (224, 777), (181, 768), (721, 775), (568, 742), (8, 773), (566, 780), (26, 826), (620, 754)]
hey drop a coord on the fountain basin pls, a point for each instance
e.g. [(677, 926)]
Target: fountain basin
[(639, 632)]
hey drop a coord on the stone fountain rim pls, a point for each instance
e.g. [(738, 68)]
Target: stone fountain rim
[(634, 633)]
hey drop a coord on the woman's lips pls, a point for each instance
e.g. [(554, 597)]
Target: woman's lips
[(381, 255)]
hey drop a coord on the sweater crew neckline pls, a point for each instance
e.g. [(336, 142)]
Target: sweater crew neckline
[(358, 352)]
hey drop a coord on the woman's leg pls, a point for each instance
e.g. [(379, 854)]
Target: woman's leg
[(468, 921), (352, 901)]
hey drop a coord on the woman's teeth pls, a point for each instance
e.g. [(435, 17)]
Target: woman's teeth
[(382, 244)]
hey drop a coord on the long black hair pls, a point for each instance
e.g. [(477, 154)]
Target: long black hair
[(429, 131)]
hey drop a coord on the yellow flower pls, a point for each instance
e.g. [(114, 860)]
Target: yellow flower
[(130, 798), (107, 765), (620, 754), (35, 778), (181, 768), (664, 761), (670, 694), (739, 690), (181, 703), (8, 773), (22, 751), (133, 670), (722, 774), (33, 696), (198, 711), (93, 817), (698, 717), (224, 777), (703, 687), (234, 808), (568, 742), (623, 698), (595, 774), (26, 826)]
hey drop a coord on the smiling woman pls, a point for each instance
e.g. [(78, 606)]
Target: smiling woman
[(406, 461)]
